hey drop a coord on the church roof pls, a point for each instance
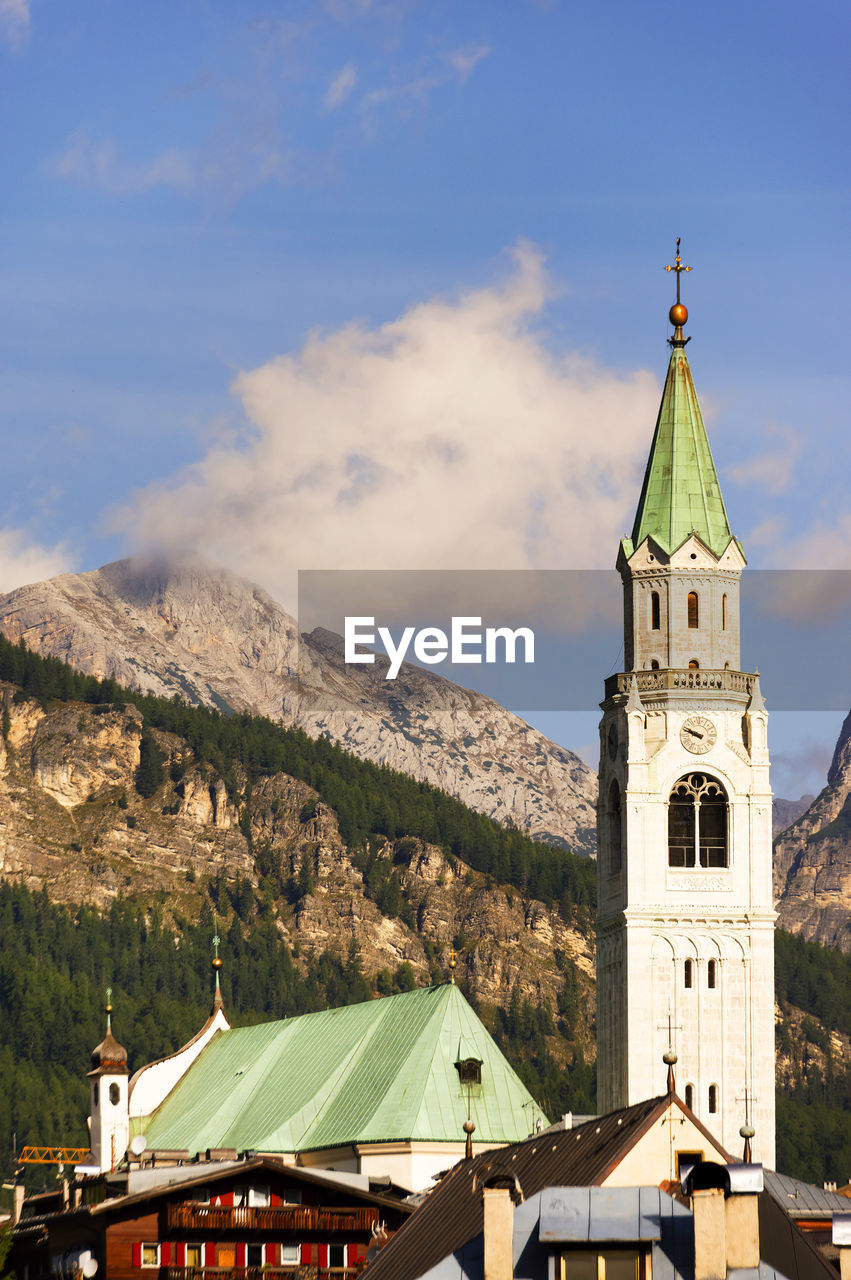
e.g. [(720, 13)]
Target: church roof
[(373, 1072), (681, 494)]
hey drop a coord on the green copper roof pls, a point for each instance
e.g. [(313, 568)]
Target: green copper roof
[(369, 1072), (681, 492)]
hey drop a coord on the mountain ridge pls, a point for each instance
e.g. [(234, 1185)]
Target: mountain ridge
[(211, 637)]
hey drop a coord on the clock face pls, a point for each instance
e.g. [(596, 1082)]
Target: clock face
[(613, 742), (698, 735)]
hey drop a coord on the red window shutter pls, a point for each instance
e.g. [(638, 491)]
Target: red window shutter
[(180, 1255), (209, 1254), (323, 1255), (274, 1198), (271, 1255), (305, 1254), (165, 1254), (240, 1255), (227, 1198), (137, 1254)]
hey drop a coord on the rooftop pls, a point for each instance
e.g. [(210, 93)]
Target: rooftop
[(373, 1072)]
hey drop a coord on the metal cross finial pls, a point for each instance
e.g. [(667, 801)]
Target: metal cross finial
[(216, 941), (678, 267), (671, 1028), (108, 1009)]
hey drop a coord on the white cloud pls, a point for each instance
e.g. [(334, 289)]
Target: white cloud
[(464, 60), (341, 86), (772, 469), (100, 164), (14, 21), (820, 546), (22, 561), (450, 437)]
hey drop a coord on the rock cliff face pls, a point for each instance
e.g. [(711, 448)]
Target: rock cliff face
[(213, 638), (812, 859), (72, 822)]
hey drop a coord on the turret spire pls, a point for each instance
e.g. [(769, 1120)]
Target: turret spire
[(681, 494), (218, 1002)]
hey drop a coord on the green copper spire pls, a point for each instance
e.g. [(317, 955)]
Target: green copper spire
[(681, 494)]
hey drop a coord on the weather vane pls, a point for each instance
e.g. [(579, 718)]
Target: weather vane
[(678, 267)]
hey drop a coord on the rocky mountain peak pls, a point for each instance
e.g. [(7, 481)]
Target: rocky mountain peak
[(211, 637)]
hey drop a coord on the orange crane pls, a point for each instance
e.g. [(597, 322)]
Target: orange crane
[(54, 1155)]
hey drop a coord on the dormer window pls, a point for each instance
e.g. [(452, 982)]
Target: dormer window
[(469, 1070), (605, 1264)]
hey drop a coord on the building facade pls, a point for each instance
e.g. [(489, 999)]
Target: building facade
[(685, 959)]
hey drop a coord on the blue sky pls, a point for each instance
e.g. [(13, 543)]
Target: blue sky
[(368, 283)]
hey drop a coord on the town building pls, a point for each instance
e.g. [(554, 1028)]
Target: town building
[(398, 1087), (685, 949), (253, 1217), (644, 1192)]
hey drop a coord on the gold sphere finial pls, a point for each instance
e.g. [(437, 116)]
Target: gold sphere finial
[(678, 313)]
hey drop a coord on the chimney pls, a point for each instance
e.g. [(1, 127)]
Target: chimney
[(725, 1204), (746, 1183), (710, 1234), (841, 1236), (499, 1233), (18, 1201)]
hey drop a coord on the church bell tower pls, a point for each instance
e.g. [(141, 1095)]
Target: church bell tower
[(685, 951)]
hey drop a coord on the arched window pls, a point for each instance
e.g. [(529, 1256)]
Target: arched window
[(693, 665), (713, 1099), (688, 973), (615, 829), (711, 974), (693, 610), (654, 611), (697, 823), (690, 1096), (654, 664), (724, 612)]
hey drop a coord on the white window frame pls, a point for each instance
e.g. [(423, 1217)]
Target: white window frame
[(151, 1244)]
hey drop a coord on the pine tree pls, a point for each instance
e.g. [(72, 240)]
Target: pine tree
[(149, 774)]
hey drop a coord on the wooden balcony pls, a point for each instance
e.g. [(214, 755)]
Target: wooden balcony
[(296, 1219), (301, 1271)]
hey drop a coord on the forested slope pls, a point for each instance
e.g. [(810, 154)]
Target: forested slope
[(331, 879)]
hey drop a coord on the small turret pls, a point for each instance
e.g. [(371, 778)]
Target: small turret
[(109, 1122)]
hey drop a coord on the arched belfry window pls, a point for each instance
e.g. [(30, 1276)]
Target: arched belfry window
[(693, 610), (614, 818), (713, 1099), (697, 823), (688, 975), (654, 664), (690, 1096), (724, 612), (693, 665), (711, 974), (655, 622)]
